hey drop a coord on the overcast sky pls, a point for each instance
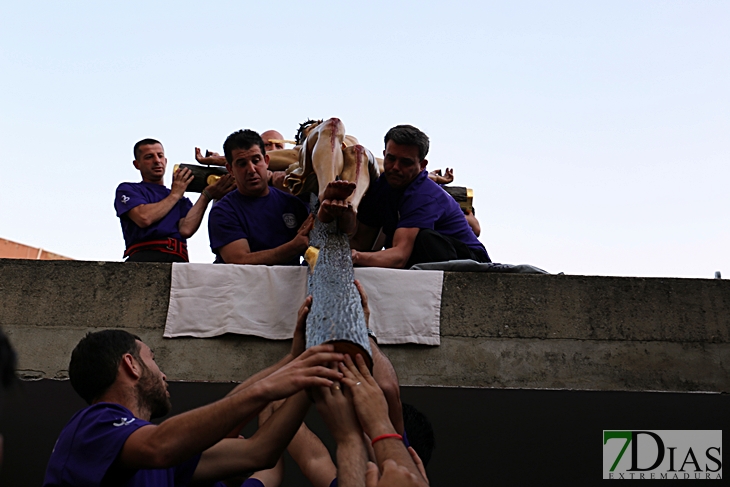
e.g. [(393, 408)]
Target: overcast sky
[(596, 135)]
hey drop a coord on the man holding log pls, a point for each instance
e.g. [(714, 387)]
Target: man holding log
[(257, 224), (156, 221), (421, 222), (112, 442)]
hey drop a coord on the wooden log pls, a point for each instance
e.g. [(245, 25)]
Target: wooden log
[(463, 195), (202, 176), (336, 315)]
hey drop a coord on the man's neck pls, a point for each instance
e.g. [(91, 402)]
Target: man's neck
[(160, 181), (263, 193), (127, 399)]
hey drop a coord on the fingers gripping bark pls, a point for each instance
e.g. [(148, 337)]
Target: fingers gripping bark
[(370, 404), (307, 370)]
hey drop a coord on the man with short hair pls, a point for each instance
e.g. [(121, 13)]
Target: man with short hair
[(156, 221), (112, 442), (421, 222), (257, 224)]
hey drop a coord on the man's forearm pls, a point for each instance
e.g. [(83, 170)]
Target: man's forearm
[(392, 258), (145, 215), (189, 224), (394, 449), (351, 462), (262, 450), (279, 255), (312, 457), (164, 446), (386, 377)]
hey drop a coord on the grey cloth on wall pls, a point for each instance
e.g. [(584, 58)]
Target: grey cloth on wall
[(468, 265)]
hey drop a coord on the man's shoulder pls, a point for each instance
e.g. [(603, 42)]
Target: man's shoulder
[(228, 203), (115, 414), (423, 184), (142, 188), (285, 197), (89, 444)]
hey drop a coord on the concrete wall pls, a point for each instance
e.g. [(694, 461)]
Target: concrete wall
[(498, 330)]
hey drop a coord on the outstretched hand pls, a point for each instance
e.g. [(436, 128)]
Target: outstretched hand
[(307, 370), (369, 400), (338, 413)]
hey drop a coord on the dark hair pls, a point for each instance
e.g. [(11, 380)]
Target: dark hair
[(141, 143), (243, 139), (409, 135), (419, 432), (8, 361), (95, 361)]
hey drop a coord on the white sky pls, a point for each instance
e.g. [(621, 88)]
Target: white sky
[(596, 135)]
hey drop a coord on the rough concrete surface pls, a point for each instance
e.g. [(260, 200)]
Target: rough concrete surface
[(498, 330)]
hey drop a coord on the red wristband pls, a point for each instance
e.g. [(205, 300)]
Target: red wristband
[(382, 437)]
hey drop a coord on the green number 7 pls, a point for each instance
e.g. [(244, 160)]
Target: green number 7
[(607, 435)]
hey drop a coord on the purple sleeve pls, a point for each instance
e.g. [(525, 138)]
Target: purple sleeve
[(419, 210), (184, 472), (128, 196), (223, 226), (96, 444)]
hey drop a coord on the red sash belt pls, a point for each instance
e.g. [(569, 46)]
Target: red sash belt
[(168, 246)]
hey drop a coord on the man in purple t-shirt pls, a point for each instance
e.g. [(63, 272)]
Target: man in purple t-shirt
[(156, 221), (112, 442), (421, 222), (257, 224)]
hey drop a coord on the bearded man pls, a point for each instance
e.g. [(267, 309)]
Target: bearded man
[(112, 442)]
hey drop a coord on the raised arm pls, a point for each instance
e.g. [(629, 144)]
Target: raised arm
[(339, 414), (182, 436), (297, 348), (372, 411), (189, 224), (232, 457), (239, 252), (145, 215), (312, 457)]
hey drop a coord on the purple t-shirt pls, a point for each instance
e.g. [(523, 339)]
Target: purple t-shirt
[(422, 204), (265, 222), (130, 195), (89, 444)]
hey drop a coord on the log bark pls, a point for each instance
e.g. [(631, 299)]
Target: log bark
[(200, 176), (336, 315)]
